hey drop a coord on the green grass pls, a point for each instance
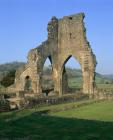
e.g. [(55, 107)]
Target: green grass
[(105, 86), (77, 83), (102, 111), (50, 108), (88, 122)]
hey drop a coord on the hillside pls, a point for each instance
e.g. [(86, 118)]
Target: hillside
[(9, 66), (110, 76), (74, 75), (9, 69)]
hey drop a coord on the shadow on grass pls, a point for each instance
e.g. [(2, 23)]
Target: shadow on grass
[(40, 126)]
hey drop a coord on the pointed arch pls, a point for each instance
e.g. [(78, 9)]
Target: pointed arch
[(68, 86), (48, 58), (47, 82), (66, 60)]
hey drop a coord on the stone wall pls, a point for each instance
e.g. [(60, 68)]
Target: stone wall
[(103, 94), (66, 38)]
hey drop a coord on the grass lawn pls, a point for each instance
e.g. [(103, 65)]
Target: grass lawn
[(102, 111), (88, 122), (105, 86)]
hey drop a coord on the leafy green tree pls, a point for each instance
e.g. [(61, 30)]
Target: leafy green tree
[(8, 79)]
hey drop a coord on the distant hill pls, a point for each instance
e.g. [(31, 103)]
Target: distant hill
[(74, 75), (7, 68), (110, 76)]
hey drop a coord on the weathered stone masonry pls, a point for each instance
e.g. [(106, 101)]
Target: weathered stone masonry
[(66, 38)]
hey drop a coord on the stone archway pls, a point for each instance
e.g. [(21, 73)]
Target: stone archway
[(47, 82), (65, 78), (65, 36)]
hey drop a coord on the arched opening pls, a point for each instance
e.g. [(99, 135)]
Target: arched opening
[(72, 81), (28, 84), (47, 83)]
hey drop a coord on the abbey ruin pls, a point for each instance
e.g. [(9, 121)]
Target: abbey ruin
[(66, 38)]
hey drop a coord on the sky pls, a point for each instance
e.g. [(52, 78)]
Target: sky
[(23, 26)]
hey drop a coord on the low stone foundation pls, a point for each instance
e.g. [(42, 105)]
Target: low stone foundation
[(103, 94)]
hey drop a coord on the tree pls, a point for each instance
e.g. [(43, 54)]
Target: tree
[(8, 79)]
